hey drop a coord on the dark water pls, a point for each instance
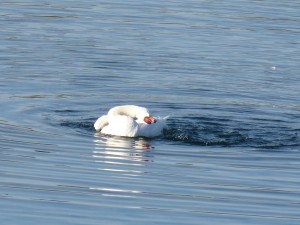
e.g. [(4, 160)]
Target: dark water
[(227, 74)]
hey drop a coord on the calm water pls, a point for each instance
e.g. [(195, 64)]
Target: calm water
[(227, 73)]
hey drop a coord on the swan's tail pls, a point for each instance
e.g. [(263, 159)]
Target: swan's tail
[(101, 122)]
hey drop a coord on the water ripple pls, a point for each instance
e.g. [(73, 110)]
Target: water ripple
[(223, 132)]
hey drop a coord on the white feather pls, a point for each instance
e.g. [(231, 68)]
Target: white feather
[(128, 121)]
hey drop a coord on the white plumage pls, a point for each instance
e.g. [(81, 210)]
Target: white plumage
[(130, 121)]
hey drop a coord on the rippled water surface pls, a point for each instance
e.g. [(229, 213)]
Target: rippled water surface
[(227, 74)]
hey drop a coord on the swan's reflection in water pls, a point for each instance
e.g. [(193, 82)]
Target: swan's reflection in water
[(121, 159), (121, 150)]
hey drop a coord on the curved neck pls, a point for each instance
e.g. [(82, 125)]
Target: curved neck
[(127, 110)]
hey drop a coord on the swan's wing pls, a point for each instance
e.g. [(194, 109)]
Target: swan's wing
[(101, 122), (121, 126)]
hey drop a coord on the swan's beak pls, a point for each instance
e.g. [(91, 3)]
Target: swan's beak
[(149, 119)]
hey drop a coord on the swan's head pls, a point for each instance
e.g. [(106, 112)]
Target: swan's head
[(143, 115), (149, 119)]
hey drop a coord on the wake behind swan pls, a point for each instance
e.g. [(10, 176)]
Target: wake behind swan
[(130, 121)]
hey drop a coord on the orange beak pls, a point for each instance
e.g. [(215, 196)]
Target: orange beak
[(149, 119)]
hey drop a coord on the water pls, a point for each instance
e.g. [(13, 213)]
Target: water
[(227, 73)]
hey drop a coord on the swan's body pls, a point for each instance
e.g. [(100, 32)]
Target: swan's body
[(130, 121)]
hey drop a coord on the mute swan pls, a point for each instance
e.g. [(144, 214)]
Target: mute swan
[(130, 121)]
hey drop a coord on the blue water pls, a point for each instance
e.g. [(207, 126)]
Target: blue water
[(227, 74)]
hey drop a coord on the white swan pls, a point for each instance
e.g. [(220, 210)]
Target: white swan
[(130, 121)]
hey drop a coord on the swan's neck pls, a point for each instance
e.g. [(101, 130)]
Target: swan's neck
[(129, 110)]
